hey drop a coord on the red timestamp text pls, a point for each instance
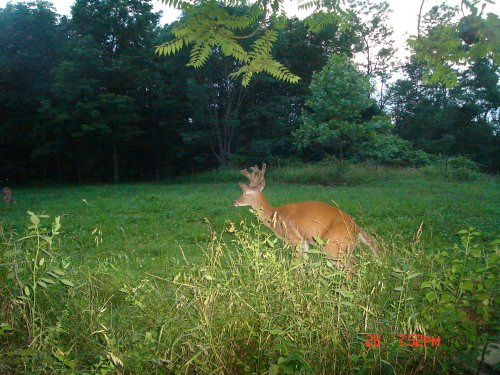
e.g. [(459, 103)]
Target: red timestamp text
[(373, 340), (418, 340)]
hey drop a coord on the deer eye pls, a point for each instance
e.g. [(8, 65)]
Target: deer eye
[(244, 193)]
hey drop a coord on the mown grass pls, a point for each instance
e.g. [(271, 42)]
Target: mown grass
[(162, 285)]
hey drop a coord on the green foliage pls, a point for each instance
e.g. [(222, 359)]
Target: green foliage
[(99, 88), (33, 267), (463, 162), (332, 173), (450, 121), (264, 130), (260, 60), (249, 282), (320, 20), (83, 98), (340, 94), (31, 43), (457, 168), (328, 173), (259, 285), (371, 22), (337, 120), (462, 296), (229, 123), (446, 42), (463, 169), (390, 149), (210, 26)]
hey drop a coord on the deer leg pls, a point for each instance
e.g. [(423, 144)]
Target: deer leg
[(303, 248), (292, 236)]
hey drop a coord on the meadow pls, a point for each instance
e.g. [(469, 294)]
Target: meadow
[(169, 277)]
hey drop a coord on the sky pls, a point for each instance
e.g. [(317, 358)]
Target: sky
[(404, 17)]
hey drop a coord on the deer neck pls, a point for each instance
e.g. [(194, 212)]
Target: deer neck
[(266, 212)]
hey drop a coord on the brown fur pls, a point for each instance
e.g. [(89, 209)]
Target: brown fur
[(7, 196), (299, 223)]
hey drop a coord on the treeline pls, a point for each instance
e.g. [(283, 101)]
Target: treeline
[(85, 98)]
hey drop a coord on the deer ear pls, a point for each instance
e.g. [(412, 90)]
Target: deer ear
[(244, 187)]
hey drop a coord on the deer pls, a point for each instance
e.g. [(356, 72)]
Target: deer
[(7, 197), (301, 224)]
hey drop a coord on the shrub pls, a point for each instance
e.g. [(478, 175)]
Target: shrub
[(391, 150), (34, 278), (461, 297), (254, 309), (458, 168), (463, 169)]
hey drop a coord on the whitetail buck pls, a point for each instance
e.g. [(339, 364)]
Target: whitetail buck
[(7, 196), (300, 223)]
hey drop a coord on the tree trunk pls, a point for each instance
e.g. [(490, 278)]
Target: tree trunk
[(341, 153), (116, 166)]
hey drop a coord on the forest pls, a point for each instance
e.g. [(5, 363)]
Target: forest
[(86, 98)]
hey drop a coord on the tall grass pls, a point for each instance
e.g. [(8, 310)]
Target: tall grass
[(255, 309), (250, 307)]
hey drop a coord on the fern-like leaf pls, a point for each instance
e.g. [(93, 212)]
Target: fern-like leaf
[(318, 21), (210, 26), (177, 4)]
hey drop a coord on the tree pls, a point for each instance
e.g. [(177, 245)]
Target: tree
[(443, 41), (214, 100), (30, 46), (336, 112), (217, 101), (208, 26), (231, 122), (99, 87), (371, 22), (272, 110), (458, 120)]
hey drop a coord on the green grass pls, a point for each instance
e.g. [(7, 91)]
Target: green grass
[(145, 221), (148, 231)]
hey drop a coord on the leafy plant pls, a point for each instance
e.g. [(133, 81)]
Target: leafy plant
[(33, 267), (332, 119), (462, 295), (463, 169), (209, 26), (445, 41), (458, 168)]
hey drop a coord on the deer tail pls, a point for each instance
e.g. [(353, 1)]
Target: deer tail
[(369, 241)]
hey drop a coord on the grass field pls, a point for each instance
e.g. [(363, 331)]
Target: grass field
[(127, 243)]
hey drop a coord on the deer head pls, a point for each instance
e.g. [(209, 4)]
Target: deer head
[(252, 191)]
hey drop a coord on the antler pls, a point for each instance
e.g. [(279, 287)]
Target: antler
[(256, 178)]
